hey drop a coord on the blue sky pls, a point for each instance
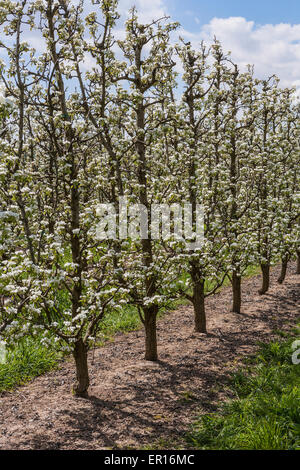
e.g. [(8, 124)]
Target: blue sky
[(260, 11), (263, 33)]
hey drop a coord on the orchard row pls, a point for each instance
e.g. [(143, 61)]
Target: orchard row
[(93, 115)]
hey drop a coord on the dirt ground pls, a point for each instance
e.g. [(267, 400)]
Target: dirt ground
[(133, 403)]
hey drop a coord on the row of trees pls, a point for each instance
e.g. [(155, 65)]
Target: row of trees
[(91, 119)]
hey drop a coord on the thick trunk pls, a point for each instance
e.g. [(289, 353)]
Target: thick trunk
[(80, 387), (298, 262), (199, 306), (236, 292), (265, 269), (284, 266), (151, 334)]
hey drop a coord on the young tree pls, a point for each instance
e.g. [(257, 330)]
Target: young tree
[(197, 145), (64, 273), (148, 71), (238, 174), (287, 190), (266, 146)]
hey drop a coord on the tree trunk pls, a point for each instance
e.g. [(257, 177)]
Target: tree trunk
[(80, 387), (298, 262), (284, 266), (151, 333), (199, 306), (265, 268), (236, 292)]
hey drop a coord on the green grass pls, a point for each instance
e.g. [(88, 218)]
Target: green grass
[(123, 321), (28, 359), (252, 271), (266, 413)]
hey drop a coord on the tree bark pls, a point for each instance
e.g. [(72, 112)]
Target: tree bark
[(151, 334), (284, 266), (298, 262), (80, 387), (265, 268), (199, 306), (236, 292)]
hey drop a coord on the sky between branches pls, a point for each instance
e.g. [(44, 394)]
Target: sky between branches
[(265, 33), (261, 32)]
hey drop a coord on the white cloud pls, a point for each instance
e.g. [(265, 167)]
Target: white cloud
[(273, 49), (148, 9)]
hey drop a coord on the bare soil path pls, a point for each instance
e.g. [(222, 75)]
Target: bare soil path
[(134, 403)]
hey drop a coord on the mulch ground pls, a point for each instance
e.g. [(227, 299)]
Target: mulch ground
[(133, 403)]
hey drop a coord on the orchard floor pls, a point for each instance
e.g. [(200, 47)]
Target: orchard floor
[(134, 404)]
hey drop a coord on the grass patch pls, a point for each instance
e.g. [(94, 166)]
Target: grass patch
[(266, 413), (123, 321), (28, 359)]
